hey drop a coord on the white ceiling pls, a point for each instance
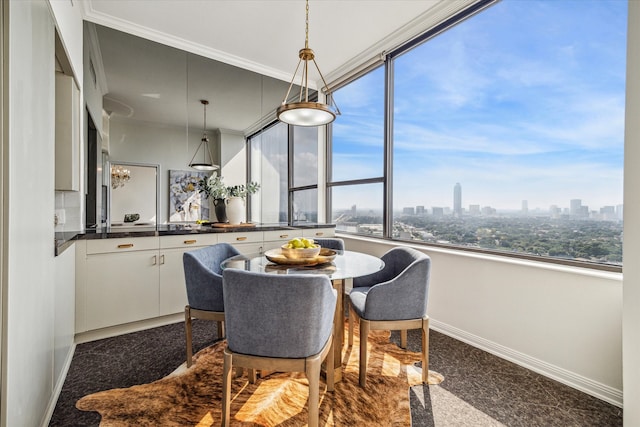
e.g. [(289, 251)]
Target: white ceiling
[(264, 36)]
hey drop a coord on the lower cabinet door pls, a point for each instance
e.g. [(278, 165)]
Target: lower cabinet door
[(173, 291), (122, 288)]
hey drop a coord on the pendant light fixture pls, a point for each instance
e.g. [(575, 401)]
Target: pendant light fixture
[(304, 112), (204, 165)]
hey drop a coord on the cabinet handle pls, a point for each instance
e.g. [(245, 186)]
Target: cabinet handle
[(162, 259), (239, 239), (125, 246), (155, 260), (284, 236), (319, 233), (190, 242)]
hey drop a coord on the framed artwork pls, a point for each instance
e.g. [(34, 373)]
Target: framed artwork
[(186, 204)]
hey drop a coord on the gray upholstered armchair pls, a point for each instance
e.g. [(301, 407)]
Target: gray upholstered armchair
[(331, 243), (203, 278), (278, 323), (394, 298)]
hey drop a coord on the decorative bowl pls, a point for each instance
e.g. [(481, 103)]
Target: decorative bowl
[(131, 217), (297, 253)]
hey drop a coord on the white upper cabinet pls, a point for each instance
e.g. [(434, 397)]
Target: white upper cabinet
[(67, 162)]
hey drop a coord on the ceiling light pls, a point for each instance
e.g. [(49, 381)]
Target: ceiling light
[(305, 112), (204, 165)]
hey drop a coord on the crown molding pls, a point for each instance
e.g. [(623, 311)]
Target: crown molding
[(91, 15)]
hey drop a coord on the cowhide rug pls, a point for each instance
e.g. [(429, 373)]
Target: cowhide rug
[(193, 397)]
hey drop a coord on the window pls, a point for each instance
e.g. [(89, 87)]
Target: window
[(269, 157), (507, 133), (357, 156)]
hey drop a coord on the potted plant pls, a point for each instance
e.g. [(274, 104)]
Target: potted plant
[(222, 196), (235, 200), (214, 188)]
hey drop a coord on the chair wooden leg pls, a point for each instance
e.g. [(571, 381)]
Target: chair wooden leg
[(330, 366), (313, 376), (364, 336), (252, 375), (226, 389), (425, 350), (187, 332), (220, 329), (403, 338), (352, 319)]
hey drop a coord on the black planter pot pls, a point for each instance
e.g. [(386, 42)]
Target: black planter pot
[(221, 210)]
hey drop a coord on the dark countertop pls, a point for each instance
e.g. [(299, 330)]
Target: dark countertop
[(65, 239)]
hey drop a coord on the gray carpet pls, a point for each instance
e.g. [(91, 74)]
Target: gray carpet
[(479, 389)]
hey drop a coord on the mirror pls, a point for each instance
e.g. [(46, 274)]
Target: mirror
[(154, 112), (134, 189)]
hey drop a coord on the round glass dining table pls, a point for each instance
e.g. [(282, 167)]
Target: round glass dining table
[(345, 265), (341, 270)]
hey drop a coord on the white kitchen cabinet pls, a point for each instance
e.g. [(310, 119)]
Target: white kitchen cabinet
[(245, 242), (67, 134), (173, 291), (132, 279), (318, 232), (276, 238), (122, 288)]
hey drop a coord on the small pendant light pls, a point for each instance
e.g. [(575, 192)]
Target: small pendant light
[(204, 165)]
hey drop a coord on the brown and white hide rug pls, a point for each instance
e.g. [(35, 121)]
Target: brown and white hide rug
[(193, 397)]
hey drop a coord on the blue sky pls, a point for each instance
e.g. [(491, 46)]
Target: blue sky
[(524, 101)]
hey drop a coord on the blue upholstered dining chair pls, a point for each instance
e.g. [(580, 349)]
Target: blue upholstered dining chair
[(278, 323), (203, 278), (331, 243), (394, 298)]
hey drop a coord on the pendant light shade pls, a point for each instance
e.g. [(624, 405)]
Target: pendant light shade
[(305, 112), (206, 164)]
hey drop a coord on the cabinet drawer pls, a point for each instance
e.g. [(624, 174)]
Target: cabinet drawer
[(241, 237), (281, 235), (319, 232), (122, 244), (188, 240)]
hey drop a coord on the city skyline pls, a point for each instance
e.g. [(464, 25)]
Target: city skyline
[(525, 101)]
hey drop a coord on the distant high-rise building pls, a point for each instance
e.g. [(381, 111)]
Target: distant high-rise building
[(353, 210), (575, 207), (555, 211), (525, 207), (457, 199), (619, 210), (438, 211), (474, 209), (419, 210), (608, 213), (408, 211)]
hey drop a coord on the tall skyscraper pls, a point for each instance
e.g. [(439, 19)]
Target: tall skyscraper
[(457, 200), (575, 206)]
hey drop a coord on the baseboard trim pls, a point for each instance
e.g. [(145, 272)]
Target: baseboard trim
[(58, 386), (126, 328), (584, 384)]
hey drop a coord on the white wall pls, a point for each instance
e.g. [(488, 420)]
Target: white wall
[(631, 249), (30, 192), (150, 143), (167, 146), (563, 322), (64, 316), (36, 340)]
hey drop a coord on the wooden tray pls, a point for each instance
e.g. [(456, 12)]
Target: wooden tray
[(227, 225), (325, 256)]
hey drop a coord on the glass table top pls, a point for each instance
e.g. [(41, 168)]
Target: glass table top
[(346, 265)]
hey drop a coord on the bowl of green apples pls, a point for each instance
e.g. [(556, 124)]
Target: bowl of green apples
[(300, 248)]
